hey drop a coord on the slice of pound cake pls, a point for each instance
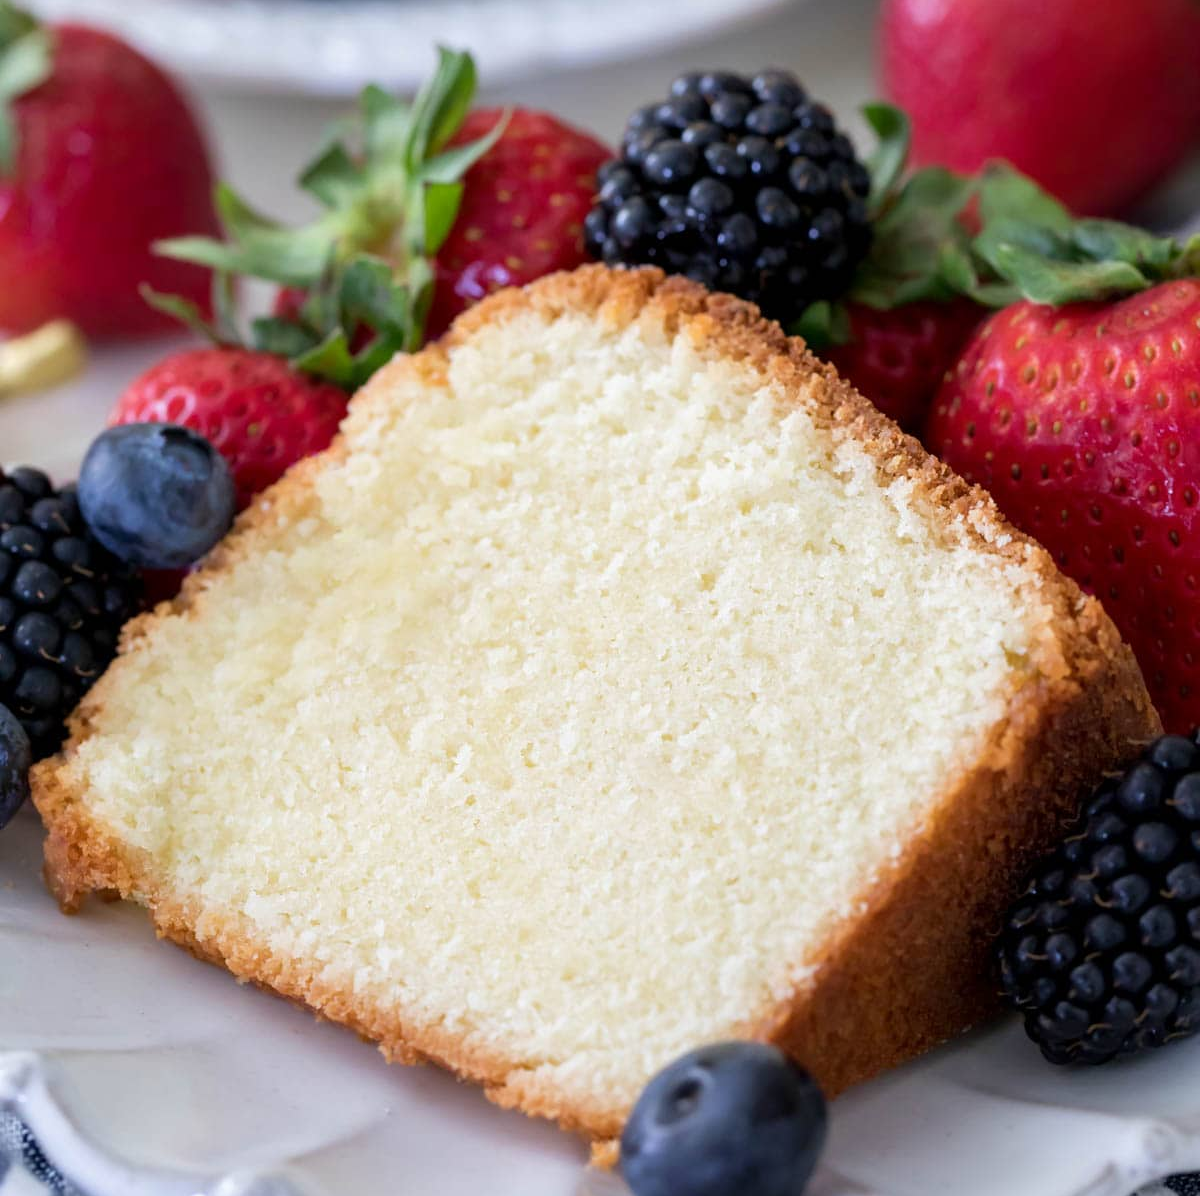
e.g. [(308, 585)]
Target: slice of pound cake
[(619, 681)]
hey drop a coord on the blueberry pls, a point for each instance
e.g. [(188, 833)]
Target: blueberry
[(735, 1119), (155, 495), (16, 758)]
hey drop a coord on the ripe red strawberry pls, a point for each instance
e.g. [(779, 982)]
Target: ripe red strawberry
[(522, 209), (899, 356), (258, 412), (99, 156), (1084, 422), (1096, 101)]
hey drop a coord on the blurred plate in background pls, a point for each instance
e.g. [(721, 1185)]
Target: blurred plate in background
[(334, 47)]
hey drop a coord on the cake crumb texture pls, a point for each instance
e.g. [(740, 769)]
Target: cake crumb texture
[(617, 682)]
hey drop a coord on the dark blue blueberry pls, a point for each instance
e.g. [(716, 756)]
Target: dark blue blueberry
[(1155, 841), (16, 759), (671, 163), (1141, 789), (156, 496), (735, 1119)]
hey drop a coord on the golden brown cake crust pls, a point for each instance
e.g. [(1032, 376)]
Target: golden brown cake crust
[(897, 980)]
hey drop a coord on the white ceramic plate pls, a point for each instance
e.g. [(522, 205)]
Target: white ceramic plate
[(333, 47), (155, 1059)]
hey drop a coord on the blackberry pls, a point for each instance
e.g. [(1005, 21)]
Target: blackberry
[(1102, 951), (63, 599), (744, 185)]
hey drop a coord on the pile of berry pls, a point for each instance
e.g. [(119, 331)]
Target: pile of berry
[(744, 185)]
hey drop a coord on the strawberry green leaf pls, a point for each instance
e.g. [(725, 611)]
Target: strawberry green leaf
[(1006, 194), (334, 178), (183, 310), (442, 202), (452, 164), (26, 60), (284, 338), (330, 359), (822, 324), (887, 162), (439, 107), (1042, 278), (904, 263), (1110, 240)]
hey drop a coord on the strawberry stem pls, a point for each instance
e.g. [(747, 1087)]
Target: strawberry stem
[(389, 197)]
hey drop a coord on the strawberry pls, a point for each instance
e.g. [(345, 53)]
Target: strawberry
[(1084, 422), (899, 356), (254, 408), (1096, 101), (99, 155), (522, 209), (453, 205)]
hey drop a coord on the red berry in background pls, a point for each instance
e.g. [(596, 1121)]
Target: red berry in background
[(1084, 423), (258, 412), (1095, 99), (898, 357), (522, 210), (108, 158)]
